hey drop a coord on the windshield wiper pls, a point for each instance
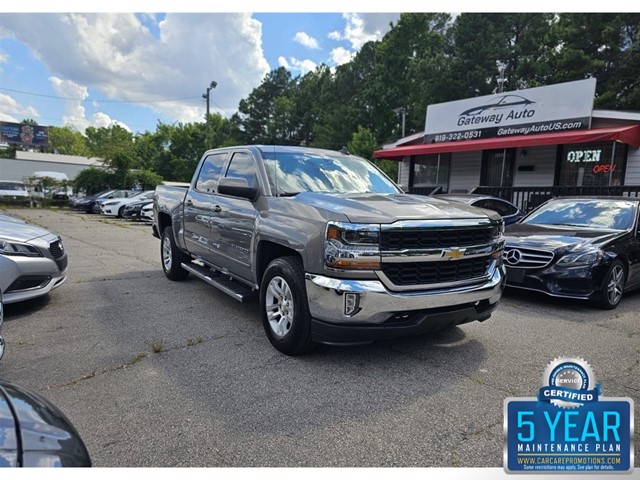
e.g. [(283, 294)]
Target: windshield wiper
[(288, 194)]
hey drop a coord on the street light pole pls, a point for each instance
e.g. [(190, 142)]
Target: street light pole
[(403, 113), (207, 97)]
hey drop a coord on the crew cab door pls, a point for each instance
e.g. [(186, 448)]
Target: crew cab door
[(198, 205), (233, 222)]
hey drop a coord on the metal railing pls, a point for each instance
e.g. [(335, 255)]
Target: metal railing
[(528, 198)]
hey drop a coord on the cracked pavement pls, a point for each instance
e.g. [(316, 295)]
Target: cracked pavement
[(218, 395)]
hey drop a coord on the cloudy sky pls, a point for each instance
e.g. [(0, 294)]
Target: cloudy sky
[(140, 68)]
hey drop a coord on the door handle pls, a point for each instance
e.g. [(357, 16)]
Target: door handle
[(189, 203), (217, 208)]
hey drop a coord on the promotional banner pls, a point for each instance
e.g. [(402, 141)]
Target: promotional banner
[(554, 108), (569, 427), (24, 134)]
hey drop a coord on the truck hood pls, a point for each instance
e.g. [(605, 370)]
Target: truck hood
[(18, 231), (388, 208)]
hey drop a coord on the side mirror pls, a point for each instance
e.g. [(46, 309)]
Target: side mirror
[(237, 187)]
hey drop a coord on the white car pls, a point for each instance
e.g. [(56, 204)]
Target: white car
[(146, 213), (115, 207)]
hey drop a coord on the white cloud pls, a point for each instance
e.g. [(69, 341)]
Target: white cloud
[(302, 66), (12, 111), (75, 113), (306, 40), (119, 56), (4, 57), (361, 28), (283, 62), (341, 55)]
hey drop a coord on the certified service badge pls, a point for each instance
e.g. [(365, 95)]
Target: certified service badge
[(569, 426)]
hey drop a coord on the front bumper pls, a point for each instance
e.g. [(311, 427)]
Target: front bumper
[(25, 278), (380, 313), (582, 282)]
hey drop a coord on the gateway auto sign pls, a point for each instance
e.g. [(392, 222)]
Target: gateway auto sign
[(565, 106)]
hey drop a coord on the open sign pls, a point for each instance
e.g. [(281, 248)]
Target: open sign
[(604, 168)]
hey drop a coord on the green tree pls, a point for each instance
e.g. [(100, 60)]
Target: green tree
[(264, 112), (143, 179), (363, 143), (67, 141), (114, 146), (92, 180), (601, 45)]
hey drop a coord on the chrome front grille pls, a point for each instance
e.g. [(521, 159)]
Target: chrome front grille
[(433, 254), (429, 238), (434, 273), (526, 257)]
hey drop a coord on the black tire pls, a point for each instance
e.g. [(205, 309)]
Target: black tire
[(121, 212), (285, 308), (612, 287), (171, 257)]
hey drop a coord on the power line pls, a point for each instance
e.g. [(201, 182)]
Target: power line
[(98, 101)]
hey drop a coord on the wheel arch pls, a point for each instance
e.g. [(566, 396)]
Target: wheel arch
[(268, 251)]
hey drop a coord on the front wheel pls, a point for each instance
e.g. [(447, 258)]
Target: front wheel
[(172, 257), (285, 308), (613, 286)]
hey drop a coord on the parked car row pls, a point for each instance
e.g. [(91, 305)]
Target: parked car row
[(116, 203)]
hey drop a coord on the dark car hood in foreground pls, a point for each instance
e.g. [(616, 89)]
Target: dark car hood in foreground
[(35, 433), (556, 238), (372, 207)]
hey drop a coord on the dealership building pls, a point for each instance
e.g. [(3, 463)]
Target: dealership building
[(525, 146), (26, 163)]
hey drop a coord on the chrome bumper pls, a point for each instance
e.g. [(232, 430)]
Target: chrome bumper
[(373, 304)]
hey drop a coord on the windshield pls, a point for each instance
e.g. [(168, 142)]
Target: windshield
[(12, 186), (597, 214), (293, 172)]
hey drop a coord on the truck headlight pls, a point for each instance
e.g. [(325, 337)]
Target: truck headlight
[(352, 246), (21, 249), (588, 257)]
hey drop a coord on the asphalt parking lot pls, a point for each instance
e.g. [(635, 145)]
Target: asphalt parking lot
[(156, 373)]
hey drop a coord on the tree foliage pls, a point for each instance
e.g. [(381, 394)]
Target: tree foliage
[(425, 58)]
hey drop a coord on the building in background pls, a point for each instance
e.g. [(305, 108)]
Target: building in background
[(26, 163), (525, 146)]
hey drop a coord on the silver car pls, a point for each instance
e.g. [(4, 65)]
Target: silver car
[(33, 261)]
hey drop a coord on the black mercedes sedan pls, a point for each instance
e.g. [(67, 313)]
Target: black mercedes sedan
[(577, 247)]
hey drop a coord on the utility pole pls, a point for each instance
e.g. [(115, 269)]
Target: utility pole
[(207, 97), (403, 113), (500, 78)]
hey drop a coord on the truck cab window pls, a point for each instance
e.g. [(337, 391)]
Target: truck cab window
[(242, 166), (210, 173)]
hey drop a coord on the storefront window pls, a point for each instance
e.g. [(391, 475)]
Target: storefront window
[(432, 171), (497, 167), (592, 164)]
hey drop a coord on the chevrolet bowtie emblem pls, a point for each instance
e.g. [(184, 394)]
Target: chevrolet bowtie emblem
[(453, 253)]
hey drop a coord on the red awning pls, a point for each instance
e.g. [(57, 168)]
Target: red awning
[(626, 134)]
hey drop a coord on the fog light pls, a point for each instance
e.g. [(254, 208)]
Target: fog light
[(351, 304)]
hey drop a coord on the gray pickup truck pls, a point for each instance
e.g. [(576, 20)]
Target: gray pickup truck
[(334, 250)]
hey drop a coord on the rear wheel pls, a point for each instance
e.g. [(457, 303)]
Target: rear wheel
[(120, 212), (285, 308), (172, 257), (613, 286)]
